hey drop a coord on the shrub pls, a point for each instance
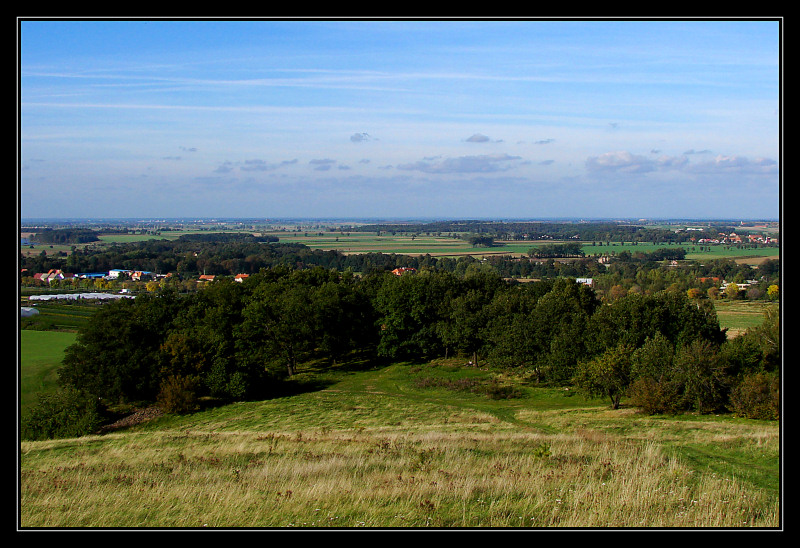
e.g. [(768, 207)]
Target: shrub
[(654, 397), (498, 391), (69, 413), (757, 396), (178, 394)]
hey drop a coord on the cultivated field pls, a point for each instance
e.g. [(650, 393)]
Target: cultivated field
[(438, 245), (740, 315)]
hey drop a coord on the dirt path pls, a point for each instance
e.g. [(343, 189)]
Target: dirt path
[(137, 417)]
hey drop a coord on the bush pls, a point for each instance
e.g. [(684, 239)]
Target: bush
[(654, 397), (497, 391), (68, 413), (178, 394), (757, 396)]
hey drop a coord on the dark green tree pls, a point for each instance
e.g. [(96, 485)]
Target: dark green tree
[(411, 310), (607, 375)]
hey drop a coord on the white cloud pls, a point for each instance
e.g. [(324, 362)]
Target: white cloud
[(624, 162)]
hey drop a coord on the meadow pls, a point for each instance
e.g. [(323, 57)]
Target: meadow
[(739, 315), (40, 354), (420, 445)]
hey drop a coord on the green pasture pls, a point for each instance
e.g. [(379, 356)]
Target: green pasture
[(360, 242), (693, 251), (40, 355)]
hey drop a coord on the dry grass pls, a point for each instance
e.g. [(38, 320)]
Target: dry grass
[(441, 478)]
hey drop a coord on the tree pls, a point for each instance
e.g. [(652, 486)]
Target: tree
[(702, 376), (411, 310), (694, 293), (344, 317), (560, 320), (509, 335), (732, 291), (773, 292), (67, 413), (278, 325), (652, 387), (116, 355), (757, 396), (464, 320), (607, 375), (633, 318)]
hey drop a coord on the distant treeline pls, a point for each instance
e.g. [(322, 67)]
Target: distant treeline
[(585, 232), (64, 236), (571, 249), (223, 237)]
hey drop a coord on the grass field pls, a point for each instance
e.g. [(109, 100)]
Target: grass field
[(738, 316), (62, 315), (40, 354), (375, 449)]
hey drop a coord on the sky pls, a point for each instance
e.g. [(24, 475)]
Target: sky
[(478, 119)]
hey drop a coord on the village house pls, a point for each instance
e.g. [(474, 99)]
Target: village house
[(51, 275), (135, 275)]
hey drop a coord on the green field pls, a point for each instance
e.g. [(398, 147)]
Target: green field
[(40, 353), (360, 242), (61, 315), (386, 447), (738, 316)]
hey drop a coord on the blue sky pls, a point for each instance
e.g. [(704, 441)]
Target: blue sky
[(444, 119)]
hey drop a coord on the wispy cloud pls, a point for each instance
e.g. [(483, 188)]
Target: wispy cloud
[(487, 163)]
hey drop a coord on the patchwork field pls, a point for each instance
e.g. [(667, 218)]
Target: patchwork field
[(436, 245)]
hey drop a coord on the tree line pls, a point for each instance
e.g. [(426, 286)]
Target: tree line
[(236, 341), (552, 230), (66, 236)]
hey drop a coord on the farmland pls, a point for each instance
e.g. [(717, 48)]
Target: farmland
[(351, 239)]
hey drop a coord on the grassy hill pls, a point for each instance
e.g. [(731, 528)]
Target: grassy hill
[(409, 445)]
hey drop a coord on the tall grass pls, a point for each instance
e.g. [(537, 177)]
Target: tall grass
[(376, 479), (373, 450)]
